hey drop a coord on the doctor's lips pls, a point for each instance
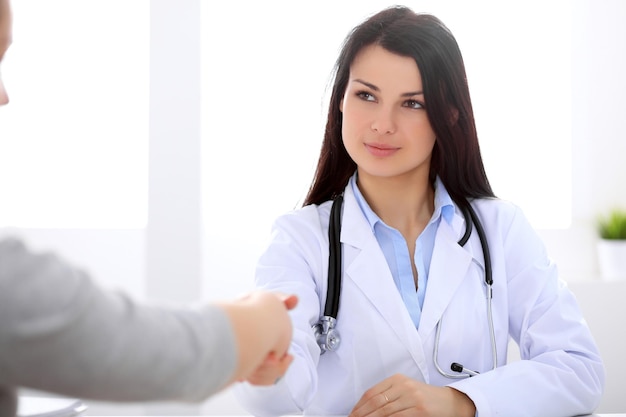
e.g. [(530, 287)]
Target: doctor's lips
[(380, 149)]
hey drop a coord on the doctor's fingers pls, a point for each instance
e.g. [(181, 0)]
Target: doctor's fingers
[(373, 395), (416, 398), (372, 406), (384, 405), (290, 300), (397, 395), (376, 401)]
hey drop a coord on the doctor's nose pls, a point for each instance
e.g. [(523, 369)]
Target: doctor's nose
[(383, 122)]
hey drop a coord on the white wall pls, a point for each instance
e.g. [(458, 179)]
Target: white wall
[(599, 172)]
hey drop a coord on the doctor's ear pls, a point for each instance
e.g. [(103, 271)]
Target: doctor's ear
[(341, 106)]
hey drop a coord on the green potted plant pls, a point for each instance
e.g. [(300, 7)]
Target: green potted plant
[(612, 244)]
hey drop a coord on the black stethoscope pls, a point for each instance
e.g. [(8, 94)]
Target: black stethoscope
[(325, 331)]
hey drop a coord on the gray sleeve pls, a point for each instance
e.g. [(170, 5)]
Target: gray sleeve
[(59, 332)]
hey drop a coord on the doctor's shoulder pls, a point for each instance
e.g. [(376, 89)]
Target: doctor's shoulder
[(499, 213), (306, 225), (506, 221)]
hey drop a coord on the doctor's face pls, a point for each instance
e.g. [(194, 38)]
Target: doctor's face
[(385, 128)]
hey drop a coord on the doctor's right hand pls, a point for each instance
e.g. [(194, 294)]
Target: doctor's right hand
[(276, 363), (263, 332)]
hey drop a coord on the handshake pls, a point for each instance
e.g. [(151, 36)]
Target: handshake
[(263, 333)]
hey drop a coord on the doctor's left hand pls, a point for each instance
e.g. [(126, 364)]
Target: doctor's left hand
[(401, 395)]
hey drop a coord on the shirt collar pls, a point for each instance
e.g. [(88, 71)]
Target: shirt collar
[(444, 207)]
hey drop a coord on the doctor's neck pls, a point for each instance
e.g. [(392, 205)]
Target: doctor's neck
[(401, 202)]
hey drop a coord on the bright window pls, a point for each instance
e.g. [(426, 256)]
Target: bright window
[(74, 139)]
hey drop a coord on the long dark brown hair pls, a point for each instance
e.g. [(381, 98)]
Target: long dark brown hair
[(456, 155)]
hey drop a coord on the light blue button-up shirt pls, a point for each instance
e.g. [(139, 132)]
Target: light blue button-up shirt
[(396, 250)]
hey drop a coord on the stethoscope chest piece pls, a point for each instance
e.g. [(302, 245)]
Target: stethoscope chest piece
[(326, 335)]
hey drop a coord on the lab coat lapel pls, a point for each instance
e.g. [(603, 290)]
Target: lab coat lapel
[(366, 266), (364, 261), (449, 267)]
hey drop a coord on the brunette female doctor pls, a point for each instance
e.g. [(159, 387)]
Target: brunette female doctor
[(437, 274)]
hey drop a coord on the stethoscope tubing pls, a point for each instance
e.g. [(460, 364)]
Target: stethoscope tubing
[(331, 309)]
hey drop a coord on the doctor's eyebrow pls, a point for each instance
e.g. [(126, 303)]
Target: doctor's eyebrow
[(375, 88)]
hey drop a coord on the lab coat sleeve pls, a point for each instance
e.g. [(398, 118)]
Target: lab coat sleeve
[(294, 264), (61, 332), (561, 372)]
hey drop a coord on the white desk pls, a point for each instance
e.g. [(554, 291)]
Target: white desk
[(65, 407)]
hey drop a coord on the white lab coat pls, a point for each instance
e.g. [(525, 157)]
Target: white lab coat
[(561, 373)]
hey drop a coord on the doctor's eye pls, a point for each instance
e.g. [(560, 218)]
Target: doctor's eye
[(366, 96), (413, 104)]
